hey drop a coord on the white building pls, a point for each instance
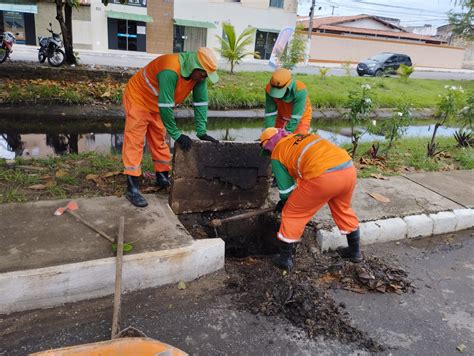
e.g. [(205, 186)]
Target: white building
[(196, 23)]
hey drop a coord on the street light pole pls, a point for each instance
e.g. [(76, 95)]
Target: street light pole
[(310, 31)]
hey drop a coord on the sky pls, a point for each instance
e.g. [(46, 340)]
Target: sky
[(411, 13)]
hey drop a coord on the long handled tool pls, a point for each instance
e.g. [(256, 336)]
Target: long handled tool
[(71, 208), (218, 222), (118, 281)]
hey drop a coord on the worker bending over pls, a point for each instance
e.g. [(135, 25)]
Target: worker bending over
[(149, 100), (287, 103), (310, 172)]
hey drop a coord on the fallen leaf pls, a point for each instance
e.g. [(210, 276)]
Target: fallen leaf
[(461, 348), (37, 187), (379, 197), (378, 176), (111, 174), (61, 173), (409, 169), (181, 285), (95, 178), (108, 125)]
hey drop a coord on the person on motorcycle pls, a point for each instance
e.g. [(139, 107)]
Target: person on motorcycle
[(149, 99)]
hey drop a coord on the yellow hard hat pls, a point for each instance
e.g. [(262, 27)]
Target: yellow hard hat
[(208, 61), (267, 134), (281, 79)]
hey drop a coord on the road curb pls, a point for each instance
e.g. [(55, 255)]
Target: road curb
[(412, 226), (68, 283)]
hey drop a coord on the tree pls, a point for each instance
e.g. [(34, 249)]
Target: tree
[(361, 105), (463, 21), (449, 106), (65, 22), (295, 51), (234, 48), (64, 16)]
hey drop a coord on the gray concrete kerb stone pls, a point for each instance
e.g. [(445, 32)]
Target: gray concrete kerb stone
[(392, 229)]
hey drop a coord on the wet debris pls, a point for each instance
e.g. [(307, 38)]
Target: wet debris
[(302, 296)]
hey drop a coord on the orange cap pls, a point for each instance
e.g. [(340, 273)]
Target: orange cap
[(280, 80), (267, 134), (208, 61)]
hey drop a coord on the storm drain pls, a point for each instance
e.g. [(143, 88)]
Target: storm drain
[(254, 236)]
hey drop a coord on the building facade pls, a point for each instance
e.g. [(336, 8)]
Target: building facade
[(19, 18), (340, 39), (157, 26)]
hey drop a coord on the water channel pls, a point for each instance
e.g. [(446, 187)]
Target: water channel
[(39, 140)]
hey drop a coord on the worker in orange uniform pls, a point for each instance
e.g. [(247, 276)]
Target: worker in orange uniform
[(149, 99), (287, 103), (310, 172)]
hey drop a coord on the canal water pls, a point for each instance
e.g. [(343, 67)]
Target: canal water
[(39, 141)]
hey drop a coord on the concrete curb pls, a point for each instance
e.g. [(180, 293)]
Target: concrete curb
[(52, 286), (392, 229)]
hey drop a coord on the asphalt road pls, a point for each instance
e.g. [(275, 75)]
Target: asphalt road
[(202, 319), (138, 60)]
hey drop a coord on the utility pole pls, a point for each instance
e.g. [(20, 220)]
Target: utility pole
[(310, 32), (332, 13)]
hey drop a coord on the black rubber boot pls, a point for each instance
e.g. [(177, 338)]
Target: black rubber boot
[(286, 258), (133, 192), (162, 179), (352, 252)]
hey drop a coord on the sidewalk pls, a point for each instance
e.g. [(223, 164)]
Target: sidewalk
[(48, 260)]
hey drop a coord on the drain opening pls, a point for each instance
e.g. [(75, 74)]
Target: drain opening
[(254, 236)]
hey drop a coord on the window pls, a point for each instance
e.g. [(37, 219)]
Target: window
[(187, 38), (277, 3), (264, 42)]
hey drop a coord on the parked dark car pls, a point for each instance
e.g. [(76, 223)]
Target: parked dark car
[(382, 63)]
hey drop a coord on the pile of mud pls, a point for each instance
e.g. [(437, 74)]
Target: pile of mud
[(302, 296)]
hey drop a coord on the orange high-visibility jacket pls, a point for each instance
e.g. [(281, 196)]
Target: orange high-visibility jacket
[(294, 107), (305, 156), (143, 87)]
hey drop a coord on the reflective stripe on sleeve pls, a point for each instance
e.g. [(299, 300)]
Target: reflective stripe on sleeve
[(271, 113), (166, 105), (302, 154), (287, 190), (153, 90), (202, 103)]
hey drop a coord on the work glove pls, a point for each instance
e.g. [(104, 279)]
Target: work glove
[(184, 142), (206, 137), (280, 205)]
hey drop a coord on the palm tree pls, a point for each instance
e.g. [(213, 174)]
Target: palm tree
[(233, 48)]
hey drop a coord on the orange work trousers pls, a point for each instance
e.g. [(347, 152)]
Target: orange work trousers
[(139, 124), (335, 189), (302, 127)]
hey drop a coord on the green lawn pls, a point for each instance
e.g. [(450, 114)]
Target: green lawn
[(239, 91), (246, 90)]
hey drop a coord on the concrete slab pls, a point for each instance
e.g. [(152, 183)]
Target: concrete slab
[(406, 198), (226, 176), (32, 237), (455, 185)]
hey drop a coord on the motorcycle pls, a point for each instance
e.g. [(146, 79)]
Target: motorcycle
[(7, 40), (50, 48)]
